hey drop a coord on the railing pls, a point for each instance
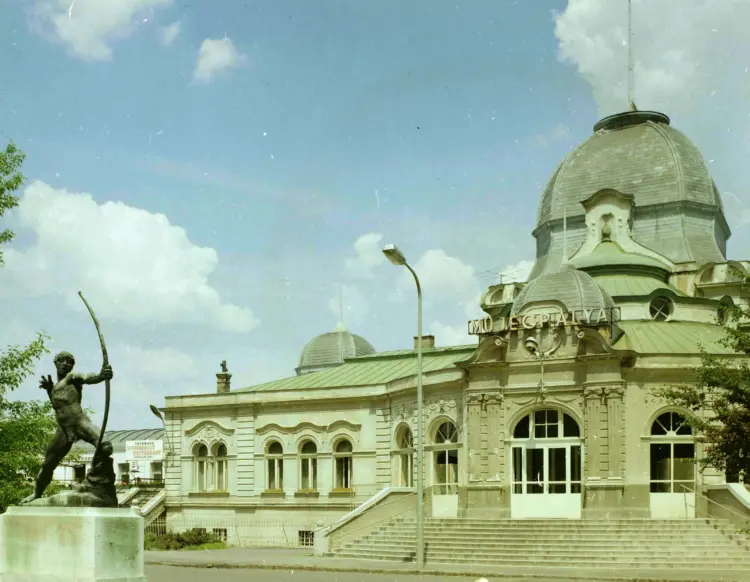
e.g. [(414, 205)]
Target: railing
[(687, 491)]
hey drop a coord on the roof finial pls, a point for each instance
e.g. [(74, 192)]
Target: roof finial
[(631, 83)]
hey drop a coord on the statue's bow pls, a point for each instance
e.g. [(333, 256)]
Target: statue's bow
[(105, 359)]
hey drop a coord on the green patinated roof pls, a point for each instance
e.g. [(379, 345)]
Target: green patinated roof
[(632, 285), (671, 337), (371, 370), (610, 254)]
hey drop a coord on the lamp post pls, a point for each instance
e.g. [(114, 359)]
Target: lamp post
[(157, 413), (396, 257)]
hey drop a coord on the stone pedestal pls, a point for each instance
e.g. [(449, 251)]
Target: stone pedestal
[(71, 544)]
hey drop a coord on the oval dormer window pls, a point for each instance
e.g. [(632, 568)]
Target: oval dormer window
[(660, 308)]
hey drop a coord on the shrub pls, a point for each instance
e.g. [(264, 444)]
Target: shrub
[(190, 539)]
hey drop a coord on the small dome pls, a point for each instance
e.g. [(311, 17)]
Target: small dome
[(574, 289), (609, 255), (331, 349)]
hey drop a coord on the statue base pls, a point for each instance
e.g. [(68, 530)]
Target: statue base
[(71, 544)]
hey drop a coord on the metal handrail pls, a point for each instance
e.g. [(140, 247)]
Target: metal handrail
[(729, 509), (385, 518)]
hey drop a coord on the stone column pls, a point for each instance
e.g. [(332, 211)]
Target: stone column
[(614, 396), (474, 406), (495, 435), (593, 444)]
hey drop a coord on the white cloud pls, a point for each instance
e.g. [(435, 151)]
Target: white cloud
[(356, 306), (131, 264), (451, 335), (168, 34), (369, 255), (676, 66), (216, 56), (158, 364), (518, 273), (553, 136), (89, 27)]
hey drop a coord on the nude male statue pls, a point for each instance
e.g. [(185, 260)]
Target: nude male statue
[(73, 424)]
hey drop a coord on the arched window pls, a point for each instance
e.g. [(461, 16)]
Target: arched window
[(343, 463), (540, 465), (222, 472), (672, 454), (405, 445), (275, 467), (202, 468), (308, 467), (446, 459)]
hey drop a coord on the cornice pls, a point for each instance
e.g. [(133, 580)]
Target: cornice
[(317, 428)]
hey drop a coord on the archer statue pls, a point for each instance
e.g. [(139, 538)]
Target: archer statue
[(72, 426)]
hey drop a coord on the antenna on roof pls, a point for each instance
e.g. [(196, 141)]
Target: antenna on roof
[(631, 83), (565, 237)]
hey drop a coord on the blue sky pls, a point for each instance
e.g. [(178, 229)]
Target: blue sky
[(273, 136)]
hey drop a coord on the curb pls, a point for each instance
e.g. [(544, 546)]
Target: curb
[(408, 572)]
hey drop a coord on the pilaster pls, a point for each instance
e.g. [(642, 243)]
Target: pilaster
[(593, 396), (474, 409), (245, 453), (614, 395), (495, 435)]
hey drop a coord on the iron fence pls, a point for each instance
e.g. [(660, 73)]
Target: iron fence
[(245, 531)]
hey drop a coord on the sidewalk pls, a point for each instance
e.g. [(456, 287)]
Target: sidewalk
[(303, 559)]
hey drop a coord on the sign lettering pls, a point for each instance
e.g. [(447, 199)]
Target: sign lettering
[(578, 318), (144, 450)]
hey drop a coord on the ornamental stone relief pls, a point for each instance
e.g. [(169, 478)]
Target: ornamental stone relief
[(408, 411)]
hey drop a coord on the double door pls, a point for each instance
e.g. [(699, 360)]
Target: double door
[(546, 480)]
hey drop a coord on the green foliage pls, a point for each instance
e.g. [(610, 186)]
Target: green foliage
[(193, 539), (25, 427), (11, 179), (720, 401)]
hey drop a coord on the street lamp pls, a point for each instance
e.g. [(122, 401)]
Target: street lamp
[(396, 257), (157, 413)]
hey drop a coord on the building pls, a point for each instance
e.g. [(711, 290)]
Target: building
[(551, 414), (138, 456)]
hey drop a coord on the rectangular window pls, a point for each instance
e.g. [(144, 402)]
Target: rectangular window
[(535, 471), (344, 473), (221, 533), (518, 470), (275, 474), (306, 538), (309, 476)]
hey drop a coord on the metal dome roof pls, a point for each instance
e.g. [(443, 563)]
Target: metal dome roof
[(574, 289), (638, 153), (331, 349), (677, 209)]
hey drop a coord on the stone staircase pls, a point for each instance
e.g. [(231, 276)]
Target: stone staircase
[(632, 543)]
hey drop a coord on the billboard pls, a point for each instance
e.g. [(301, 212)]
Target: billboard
[(144, 450)]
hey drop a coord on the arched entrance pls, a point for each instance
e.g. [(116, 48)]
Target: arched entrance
[(672, 460), (546, 466)]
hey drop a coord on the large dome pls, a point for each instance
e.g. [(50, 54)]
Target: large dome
[(677, 208), (331, 349), (576, 290)]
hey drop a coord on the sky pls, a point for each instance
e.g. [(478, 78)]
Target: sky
[(211, 175)]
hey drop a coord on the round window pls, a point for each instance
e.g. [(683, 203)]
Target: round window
[(660, 308)]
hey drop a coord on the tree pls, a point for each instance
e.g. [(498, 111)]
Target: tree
[(719, 402), (25, 427)]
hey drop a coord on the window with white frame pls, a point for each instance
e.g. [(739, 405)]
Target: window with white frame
[(446, 459), (274, 466), (222, 473), (343, 462), (405, 445), (202, 468), (672, 454), (308, 466)]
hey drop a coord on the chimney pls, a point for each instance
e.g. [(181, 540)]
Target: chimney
[(428, 342), (222, 379)]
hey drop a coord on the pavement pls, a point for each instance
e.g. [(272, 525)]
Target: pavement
[(303, 560)]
